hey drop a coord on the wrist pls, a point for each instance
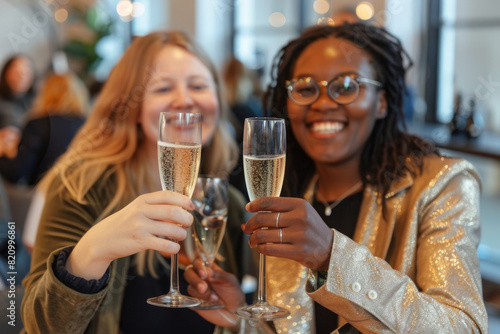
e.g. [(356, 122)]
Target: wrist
[(325, 264), (82, 264)]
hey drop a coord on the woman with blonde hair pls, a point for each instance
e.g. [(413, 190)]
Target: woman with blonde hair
[(59, 110), (106, 228)]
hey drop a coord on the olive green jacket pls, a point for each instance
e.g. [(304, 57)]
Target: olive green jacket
[(49, 306)]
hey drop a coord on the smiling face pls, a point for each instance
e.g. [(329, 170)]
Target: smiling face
[(329, 132), (180, 82)]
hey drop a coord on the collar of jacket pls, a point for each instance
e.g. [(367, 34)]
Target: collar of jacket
[(399, 185)]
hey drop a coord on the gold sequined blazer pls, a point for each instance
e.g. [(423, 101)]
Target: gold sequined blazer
[(413, 270)]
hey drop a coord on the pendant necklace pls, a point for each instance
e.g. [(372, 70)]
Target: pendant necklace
[(330, 207)]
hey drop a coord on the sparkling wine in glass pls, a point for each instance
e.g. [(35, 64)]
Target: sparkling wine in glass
[(264, 149), (179, 153), (210, 217)]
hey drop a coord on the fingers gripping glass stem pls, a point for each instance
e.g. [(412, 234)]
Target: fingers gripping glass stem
[(264, 147), (179, 151)]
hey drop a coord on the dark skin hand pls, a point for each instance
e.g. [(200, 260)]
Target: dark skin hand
[(306, 237)]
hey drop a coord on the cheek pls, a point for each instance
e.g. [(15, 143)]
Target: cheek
[(209, 108), (296, 116), (149, 118)]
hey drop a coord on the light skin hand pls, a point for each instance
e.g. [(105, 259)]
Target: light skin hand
[(306, 237), (10, 137), (141, 225), (214, 284)]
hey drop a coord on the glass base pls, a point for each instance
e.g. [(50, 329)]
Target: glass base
[(205, 305), (262, 311), (174, 301)]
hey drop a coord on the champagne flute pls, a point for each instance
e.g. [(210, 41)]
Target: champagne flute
[(264, 146), (210, 217), (179, 153)]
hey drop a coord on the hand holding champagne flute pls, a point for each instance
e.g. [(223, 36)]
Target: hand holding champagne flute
[(179, 153), (210, 197), (264, 147)]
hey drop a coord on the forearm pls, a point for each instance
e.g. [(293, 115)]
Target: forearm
[(375, 298), (49, 306)]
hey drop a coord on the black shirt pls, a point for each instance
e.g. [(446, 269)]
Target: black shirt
[(140, 317), (343, 219)]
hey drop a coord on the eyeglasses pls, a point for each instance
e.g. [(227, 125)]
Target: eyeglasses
[(343, 89)]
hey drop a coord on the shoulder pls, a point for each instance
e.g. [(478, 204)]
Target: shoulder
[(436, 174), (97, 196), (37, 123), (63, 118), (447, 168), (445, 175)]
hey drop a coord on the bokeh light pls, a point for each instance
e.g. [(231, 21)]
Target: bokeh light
[(365, 10), (126, 18), (277, 19), (61, 15), (138, 9), (124, 8), (321, 6), (325, 21)]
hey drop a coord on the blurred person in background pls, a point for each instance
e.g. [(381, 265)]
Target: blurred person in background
[(243, 92), (58, 111), (345, 15), (17, 81)]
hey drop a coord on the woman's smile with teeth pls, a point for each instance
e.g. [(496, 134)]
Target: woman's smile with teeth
[(327, 127)]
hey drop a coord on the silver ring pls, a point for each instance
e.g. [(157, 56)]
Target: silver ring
[(281, 235), (278, 219)]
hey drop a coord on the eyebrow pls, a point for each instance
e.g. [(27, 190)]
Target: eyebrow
[(165, 77), (336, 76)]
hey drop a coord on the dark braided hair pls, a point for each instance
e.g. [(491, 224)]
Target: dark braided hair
[(389, 152)]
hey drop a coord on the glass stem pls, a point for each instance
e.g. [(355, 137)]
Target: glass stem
[(174, 274), (261, 293)]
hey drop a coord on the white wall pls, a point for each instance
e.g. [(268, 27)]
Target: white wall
[(212, 29), (477, 66), (27, 27)]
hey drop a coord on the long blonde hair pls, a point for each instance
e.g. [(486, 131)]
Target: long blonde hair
[(62, 94), (107, 144)]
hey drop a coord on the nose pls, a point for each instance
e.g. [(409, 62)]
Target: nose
[(324, 101), (182, 100)]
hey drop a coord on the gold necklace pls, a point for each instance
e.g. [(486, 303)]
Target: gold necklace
[(330, 207)]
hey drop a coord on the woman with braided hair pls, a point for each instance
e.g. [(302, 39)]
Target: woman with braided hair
[(375, 231)]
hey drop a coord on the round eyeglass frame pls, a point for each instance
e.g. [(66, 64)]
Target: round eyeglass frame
[(324, 83)]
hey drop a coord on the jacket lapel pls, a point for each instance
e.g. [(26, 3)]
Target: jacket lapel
[(375, 226)]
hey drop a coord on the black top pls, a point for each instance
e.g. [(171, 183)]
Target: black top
[(13, 110), (43, 141), (154, 319), (343, 219)]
